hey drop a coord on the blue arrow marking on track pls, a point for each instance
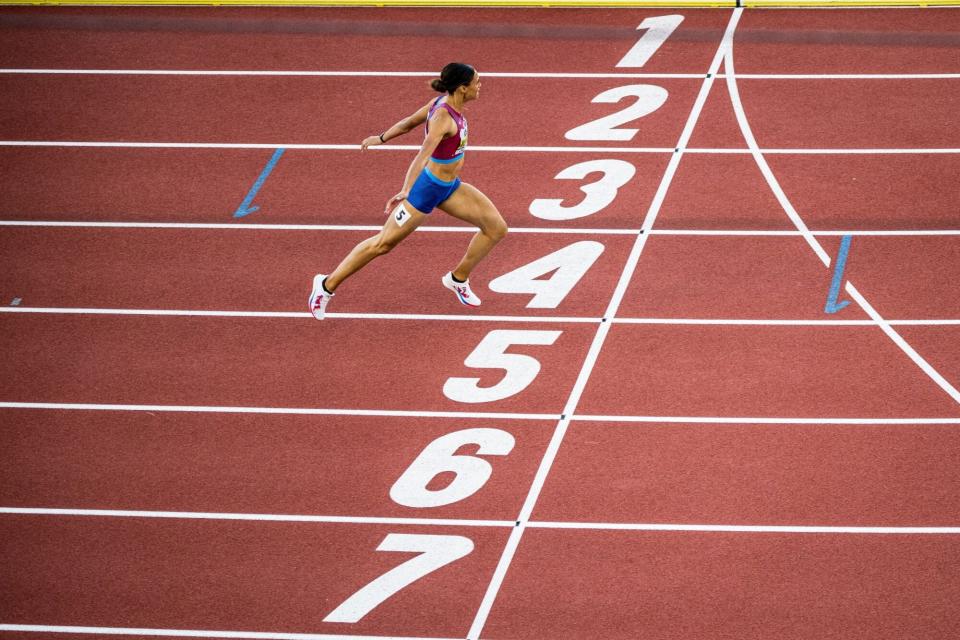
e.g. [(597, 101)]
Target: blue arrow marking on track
[(245, 208), (832, 305)]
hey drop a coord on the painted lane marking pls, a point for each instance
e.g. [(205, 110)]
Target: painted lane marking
[(452, 522), (815, 245), (245, 208), (833, 305)]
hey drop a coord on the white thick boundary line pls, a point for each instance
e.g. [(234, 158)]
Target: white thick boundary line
[(486, 74), (105, 144), (593, 353), (760, 322), (818, 249), (230, 226), (449, 522), (190, 633), (572, 417)]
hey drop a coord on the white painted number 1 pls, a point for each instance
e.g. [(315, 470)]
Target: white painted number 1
[(435, 552), (520, 369), (658, 30)]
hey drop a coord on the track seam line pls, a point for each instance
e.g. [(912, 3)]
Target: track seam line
[(544, 524), (593, 353), (773, 183)]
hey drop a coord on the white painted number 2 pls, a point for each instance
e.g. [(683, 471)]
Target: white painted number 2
[(599, 194), (658, 30), (435, 552), (520, 369), (649, 99), (568, 265), (470, 472)]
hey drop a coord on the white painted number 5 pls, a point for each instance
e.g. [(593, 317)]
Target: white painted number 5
[(435, 552), (491, 353)]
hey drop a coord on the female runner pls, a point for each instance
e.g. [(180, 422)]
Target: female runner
[(432, 182)]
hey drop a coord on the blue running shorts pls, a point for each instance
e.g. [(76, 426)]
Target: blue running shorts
[(429, 191)]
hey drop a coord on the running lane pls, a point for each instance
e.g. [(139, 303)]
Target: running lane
[(342, 465), (321, 110), (273, 270), (306, 186), (260, 362), (233, 575), (564, 40), (669, 585)]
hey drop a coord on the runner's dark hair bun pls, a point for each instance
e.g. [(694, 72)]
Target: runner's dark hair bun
[(454, 75)]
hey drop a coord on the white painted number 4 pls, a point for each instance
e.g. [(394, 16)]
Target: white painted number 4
[(568, 266), (435, 552)]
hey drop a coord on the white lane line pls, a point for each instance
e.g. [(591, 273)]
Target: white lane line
[(486, 74), (296, 227), (347, 74), (191, 633), (293, 314), (481, 148), (252, 517), (844, 76), (593, 353), (818, 249), (764, 420), (793, 420), (464, 229), (299, 411), (925, 322), (733, 528), (449, 522)]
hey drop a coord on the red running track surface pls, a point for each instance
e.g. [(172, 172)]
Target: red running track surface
[(685, 445)]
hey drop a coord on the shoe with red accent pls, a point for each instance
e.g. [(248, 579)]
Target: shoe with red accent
[(318, 297), (464, 294)]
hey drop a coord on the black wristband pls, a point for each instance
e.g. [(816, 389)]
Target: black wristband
[(381, 138)]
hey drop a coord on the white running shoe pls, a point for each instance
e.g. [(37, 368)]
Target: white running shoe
[(464, 294), (318, 297)]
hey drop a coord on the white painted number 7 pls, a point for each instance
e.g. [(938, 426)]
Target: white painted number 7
[(435, 552)]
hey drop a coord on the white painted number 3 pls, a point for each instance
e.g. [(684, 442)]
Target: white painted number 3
[(491, 353), (470, 471), (599, 193), (435, 552)]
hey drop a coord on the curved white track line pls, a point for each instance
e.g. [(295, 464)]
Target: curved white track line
[(818, 249)]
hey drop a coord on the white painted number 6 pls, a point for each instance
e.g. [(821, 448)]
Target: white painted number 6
[(599, 194), (470, 472), (435, 552), (491, 353), (649, 99)]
